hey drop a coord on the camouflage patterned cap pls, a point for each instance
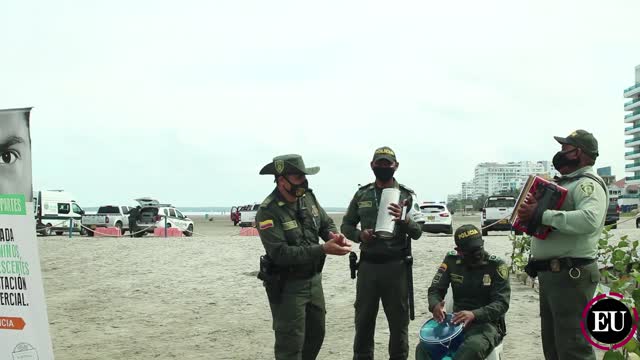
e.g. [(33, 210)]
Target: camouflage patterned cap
[(288, 164), (581, 139), (384, 152), (468, 236)]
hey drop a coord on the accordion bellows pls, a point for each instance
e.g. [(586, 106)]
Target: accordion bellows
[(549, 195)]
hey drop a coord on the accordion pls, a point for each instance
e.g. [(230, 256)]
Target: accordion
[(549, 195)]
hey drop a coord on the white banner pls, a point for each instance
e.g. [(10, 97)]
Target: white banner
[(24, 327)]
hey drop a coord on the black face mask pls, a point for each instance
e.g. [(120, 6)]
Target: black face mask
[(560, 160), (384, 173), (471, 256), (297, 190)]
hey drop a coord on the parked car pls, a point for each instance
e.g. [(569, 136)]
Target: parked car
[(108, 216), (155, 215), (248, 215), (496, 211), (55, 211), (437, 218), (613, 215)]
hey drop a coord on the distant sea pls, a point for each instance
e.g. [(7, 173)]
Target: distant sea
[(219, 210)]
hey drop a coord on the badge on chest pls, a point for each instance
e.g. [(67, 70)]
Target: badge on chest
[(486, 280)]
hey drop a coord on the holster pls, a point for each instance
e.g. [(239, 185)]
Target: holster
[(272, 280), (531, 270), (353, 264)]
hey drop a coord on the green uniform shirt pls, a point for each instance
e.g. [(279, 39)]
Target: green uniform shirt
[(483, 289), (579, 222), (363, 209), (282, 234)]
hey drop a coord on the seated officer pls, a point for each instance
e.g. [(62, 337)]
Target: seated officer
[(481, 293)]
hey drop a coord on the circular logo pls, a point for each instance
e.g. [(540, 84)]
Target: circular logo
[(607, 320)]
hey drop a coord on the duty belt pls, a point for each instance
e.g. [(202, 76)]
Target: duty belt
[(556, 265), (374, 258)]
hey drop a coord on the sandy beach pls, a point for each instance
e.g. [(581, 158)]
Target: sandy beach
[(198, 298)]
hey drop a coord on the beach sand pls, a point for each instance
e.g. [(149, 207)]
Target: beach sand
[(199, 298)]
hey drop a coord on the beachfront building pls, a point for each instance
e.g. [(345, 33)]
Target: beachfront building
[(632, 118), (492, 178)]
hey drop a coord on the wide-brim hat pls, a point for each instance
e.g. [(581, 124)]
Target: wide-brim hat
[(288, 164)]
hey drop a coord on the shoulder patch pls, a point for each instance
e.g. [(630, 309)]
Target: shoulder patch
[(503, 271), (452, 253), (495, 259), (587, 187)]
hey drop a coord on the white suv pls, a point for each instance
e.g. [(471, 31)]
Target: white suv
[(154, 215), (437, 218)]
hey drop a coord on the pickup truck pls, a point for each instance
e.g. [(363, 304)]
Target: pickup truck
[(496, 211), (248, 215), (108, 216)]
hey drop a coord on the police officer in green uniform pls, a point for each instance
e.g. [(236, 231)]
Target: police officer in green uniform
[(290, 221), (481, 293), (382, 272), (565, 261)]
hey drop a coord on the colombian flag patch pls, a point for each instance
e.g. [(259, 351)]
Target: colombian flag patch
[(266, 224)]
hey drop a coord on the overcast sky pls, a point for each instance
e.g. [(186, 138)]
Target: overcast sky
[(185, 101)]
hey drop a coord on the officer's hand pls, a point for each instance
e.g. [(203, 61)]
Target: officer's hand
[(438, 312), (339, 238), (331, 247), (396, 210), (463, 317), (366, 235), (526, 210)]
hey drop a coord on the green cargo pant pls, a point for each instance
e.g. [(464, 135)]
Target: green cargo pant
[(386, 282), (298, 320), (562, 300), (479, 341)]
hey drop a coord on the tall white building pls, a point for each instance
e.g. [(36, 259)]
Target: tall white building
[(468, 190), (633, 119), (494, 178)]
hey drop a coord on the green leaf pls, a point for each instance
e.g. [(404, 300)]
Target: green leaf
[(603, 242), (618, 255), (623, 243), (613, 355)]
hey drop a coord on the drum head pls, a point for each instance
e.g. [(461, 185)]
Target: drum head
[(432, 332)]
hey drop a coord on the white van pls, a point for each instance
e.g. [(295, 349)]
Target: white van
[(55, 210)]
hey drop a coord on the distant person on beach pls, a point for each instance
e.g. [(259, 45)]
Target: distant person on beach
[(290, 222), (134, 215), (15, 153)]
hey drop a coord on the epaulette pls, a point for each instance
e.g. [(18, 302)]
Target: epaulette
[(364, 188), (406, 188), (268, 200), (452, 253)]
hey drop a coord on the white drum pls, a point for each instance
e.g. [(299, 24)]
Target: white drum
[(384, 223)]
